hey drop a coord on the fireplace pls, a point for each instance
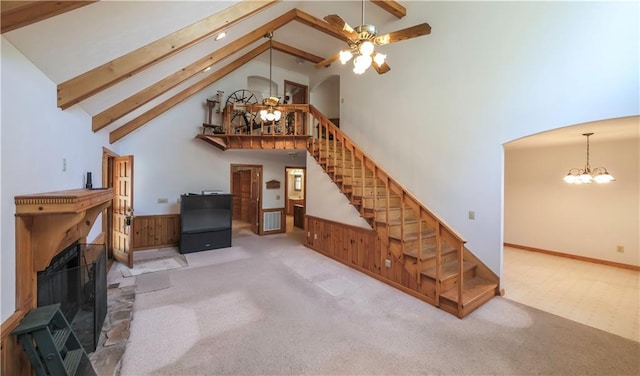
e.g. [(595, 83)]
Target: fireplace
[(47, 224), (77, 279)]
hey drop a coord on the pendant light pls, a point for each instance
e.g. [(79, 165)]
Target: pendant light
[(587, 175), (270, 113)]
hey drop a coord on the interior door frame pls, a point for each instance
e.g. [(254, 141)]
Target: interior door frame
[(233, 167), (108, 157), (286, 188)]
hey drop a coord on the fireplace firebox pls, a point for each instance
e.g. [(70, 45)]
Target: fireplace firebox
[(77, 279)]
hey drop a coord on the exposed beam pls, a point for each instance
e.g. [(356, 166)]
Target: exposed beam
[(89, 83), (16, 14), (120, 109), (184, 94), (392, 7), (133, 102), (319, 25), (296, 52)]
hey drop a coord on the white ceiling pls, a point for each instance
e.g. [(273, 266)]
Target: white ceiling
[(70, 44), (605, 130)]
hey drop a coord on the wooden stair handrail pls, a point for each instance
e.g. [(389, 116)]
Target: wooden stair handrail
[(335, 130)]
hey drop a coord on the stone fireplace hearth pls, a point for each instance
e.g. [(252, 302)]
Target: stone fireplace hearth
[(46, 224)]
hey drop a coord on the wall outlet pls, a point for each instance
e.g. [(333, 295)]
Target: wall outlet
[(387, 263), (315, 236), (620, 249), (163, 200), (472, 215), (179, 200), (277, 197)]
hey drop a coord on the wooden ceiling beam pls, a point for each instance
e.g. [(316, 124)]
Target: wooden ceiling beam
[(156, 111), (296, 52), (16, 14), (319, 25), (89, 83), (392, 7), (133, 102)]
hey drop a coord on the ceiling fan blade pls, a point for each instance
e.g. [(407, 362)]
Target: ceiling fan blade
[(337, 21), (326, 62), (381, 69), (408, 33)]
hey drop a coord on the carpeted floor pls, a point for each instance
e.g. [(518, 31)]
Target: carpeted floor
[(270, 306)]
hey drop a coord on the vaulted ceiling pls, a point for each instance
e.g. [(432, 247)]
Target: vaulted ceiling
[(127, 62)]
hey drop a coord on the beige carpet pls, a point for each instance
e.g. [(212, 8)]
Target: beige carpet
[(269, 306)]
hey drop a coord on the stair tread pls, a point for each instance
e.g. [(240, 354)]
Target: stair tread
[(60, 337), (413, 236), (472, 289), (449, 269), (72, 361), (428, 251)]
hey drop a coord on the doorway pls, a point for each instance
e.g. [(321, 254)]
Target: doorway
[(295, 197), (117, 173), (246, 184)]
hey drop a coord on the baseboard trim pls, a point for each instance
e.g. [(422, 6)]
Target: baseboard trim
[(575, 257)]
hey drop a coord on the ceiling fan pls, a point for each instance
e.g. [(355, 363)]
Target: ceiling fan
[(362, 41)]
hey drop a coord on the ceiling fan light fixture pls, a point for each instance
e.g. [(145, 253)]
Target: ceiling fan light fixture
[(362, 62), (379, 58), (345, 56), (366, 48)]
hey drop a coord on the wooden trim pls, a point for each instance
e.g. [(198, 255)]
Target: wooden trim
[(17, 14), (283, 221), (13, 359), (319, 25), (575, 257), (296, 52), (155, 231), (156, 111), (89, 83), (133, 102), (389, 276), (392, 7)]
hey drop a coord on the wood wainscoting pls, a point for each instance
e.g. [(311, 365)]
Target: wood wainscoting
[(361, 249), (155, 231)]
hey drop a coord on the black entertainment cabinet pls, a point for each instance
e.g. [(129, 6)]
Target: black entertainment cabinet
[(205, 222)]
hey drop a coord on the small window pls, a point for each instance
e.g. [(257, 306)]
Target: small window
[(297, 182)]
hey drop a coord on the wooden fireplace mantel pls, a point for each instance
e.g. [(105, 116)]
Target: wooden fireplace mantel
[(59, 218), (46, 223)]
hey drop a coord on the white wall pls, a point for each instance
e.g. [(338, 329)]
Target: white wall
[(36, 136), (170, 161), (325, 200), (489, 72), (588, 220), (326, 97)]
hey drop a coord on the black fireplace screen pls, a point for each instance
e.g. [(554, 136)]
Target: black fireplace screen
[(77, 279)]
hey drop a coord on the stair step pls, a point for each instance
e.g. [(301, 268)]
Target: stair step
[(72, 361), (449, 270), (429, 251), (473, 289), (60, 337), (427, 233)]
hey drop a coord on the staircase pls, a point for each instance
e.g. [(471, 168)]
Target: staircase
[(441, 270), (446, 274)]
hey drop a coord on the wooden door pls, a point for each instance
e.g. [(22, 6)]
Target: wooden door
[(123, 209), (255, 202), (245, 195), (298, 94)]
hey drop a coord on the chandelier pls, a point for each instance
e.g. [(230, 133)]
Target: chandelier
[(270, 113), (587, 175)]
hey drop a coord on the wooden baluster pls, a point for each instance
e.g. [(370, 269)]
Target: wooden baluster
[(438, 262), (460, 277)]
